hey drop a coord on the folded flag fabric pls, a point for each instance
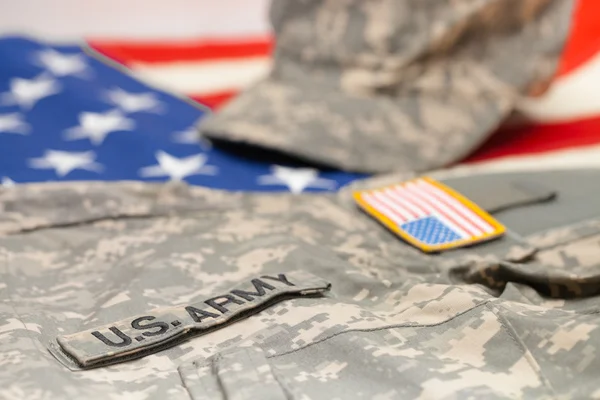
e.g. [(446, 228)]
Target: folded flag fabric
[(65, 115)]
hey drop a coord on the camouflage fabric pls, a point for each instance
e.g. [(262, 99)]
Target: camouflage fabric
[(512, 318), (394, 85)]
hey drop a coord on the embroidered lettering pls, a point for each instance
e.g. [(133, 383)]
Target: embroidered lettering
[(135, 324), (229, 299), (135, 336), (198, 315), (125, 340), (281, 278), (260, 287)]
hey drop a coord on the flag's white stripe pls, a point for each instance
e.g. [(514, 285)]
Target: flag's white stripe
[(381, 207), (203, 78), (403, 213), (440, 207), (456, 206), (394, 193), (574, 158), (403, 192), (573, 96), (414, 209), (69, 20)]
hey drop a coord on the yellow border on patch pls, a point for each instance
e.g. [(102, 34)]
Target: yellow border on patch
[(499, 229)]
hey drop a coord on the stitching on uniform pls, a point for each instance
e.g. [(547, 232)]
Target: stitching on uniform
[(215, 366), (185, 371), (572, 240), (528, 356), (289, 392), (92, 220), (284, 387), (405, 325), (589, 312), (589, 224)]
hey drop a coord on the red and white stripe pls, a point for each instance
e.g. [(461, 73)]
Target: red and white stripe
[(210, 50), (210, 70), (418, 199), (562, 128)]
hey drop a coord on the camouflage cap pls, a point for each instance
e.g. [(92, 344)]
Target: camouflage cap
[(394, 85)]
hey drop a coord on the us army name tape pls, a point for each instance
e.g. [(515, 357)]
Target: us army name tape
[(138, 336)]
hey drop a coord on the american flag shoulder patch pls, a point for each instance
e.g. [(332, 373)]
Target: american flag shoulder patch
[(429, 215)]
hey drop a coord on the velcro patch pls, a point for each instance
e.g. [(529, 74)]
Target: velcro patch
[(429, 215), (144, 334)]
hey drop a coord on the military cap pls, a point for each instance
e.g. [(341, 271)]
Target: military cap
[(394, 85)]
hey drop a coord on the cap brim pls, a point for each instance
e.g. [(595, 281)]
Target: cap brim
[(416, 132)]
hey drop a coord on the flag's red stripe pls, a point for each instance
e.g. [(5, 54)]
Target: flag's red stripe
[(399, 210), (413, 209), (455, 206), (128, 53), (410, 211), (584, 39), (384, 208), (214, 100), (539, 139)]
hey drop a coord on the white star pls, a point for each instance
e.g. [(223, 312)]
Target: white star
[(96, 126), (27, 92), (12, 123), (60, 64), (178, 168), (7, 182), (192, 136), (296, 179), (63, 162), (134, 102)]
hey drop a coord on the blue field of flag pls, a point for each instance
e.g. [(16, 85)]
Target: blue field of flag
[(431, 230), (65, 115)]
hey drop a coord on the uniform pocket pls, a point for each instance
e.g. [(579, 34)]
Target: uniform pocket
[(565, 265), (561, 344), (239, 374), (569, 247), (569, 258), (473, 355)]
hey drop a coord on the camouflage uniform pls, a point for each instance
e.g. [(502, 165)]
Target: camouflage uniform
[(395, 85), (366, 316)]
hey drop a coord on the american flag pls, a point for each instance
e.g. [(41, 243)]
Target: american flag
[(429, 214), (66, 115)]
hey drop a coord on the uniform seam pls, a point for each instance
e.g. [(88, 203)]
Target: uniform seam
[(287, 390), (595, 231), (404, 325), (527, 354), (91, 220), (590, 312)]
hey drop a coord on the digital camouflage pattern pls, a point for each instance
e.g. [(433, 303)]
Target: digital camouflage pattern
[(395, 85), (516, 317)]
